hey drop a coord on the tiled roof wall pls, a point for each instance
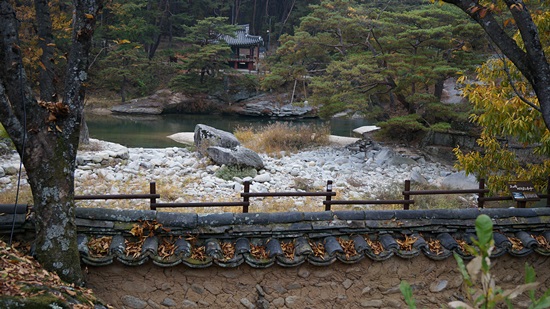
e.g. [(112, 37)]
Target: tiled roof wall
[(319, 238)]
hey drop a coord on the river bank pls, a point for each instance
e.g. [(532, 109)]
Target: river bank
[(182, 176)]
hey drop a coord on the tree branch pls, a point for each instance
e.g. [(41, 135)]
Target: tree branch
[(513, 84), (16, 99), (486, 19)]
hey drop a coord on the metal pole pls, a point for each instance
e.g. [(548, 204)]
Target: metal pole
[(246, 199), (329, 189), (153, 200)]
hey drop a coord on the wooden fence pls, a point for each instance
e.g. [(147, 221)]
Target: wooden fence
[(328, 194)]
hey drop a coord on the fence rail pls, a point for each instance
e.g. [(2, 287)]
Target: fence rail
[(328, 194)]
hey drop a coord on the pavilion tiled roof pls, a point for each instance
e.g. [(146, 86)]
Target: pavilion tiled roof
[(242, 38), (319, 238)]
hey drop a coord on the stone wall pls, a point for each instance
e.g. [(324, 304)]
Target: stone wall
[(367, 284)]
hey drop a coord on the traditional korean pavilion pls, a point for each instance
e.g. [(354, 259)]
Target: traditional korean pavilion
[(245, 48)]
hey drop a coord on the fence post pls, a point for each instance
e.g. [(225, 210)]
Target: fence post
[(329, 198), (153, 200), (246, 199), (481, 196), (407, 197)]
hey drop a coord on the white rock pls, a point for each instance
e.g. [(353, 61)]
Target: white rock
[(262, 178)]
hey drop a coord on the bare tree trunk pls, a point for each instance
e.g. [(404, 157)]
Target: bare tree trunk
[(438, 90), (48, 148), (45, 42)]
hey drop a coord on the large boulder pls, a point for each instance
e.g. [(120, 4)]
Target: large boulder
[(460, 181), (206, 136), (168, 102), (388, 157), (268, 108), (238, 155)]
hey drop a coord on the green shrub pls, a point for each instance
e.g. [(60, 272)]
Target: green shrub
[(229, 172), (456, 115), (190, 84), (405, 128), (441, 127)]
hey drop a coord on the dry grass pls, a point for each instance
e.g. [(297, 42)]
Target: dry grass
[(286, 204), (25, 195), (278, 137), (443, 201)]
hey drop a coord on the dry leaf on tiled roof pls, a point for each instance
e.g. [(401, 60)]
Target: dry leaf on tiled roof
[(435, 246), (318, 249), (167, 247), (543, 243), (137, 230), (407, 243), (198, 253), (463, 245), (192, 239), (258, 252), (133, 248), (100, 246), (517, 245), (288, 249), (375, 245), (348, 246), (228, 250)]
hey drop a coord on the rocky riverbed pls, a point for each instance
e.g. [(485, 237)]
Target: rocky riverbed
[(182, 176)]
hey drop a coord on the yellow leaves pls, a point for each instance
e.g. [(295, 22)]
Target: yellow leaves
[(99, 246), (288, 249), (375, 245), (516, 6), (509, 21), (318, 249), (258, 252), (121, 42), (435, 246), (543, 243), (517, 245), (348, 245), (167, 247), (198, 253), (228, 250), (407, 243), (89, 16), (24, 277)]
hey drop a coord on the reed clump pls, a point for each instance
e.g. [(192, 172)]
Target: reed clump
[(282, 137)]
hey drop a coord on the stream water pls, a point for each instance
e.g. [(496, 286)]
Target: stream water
[(151, 131)]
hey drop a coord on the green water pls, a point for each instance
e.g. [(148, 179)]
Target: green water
[(152, 131)]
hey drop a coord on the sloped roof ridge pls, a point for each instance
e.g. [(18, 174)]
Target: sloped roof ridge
[(218, 219)]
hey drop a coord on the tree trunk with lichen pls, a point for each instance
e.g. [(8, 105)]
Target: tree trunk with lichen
[(46, 135)]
